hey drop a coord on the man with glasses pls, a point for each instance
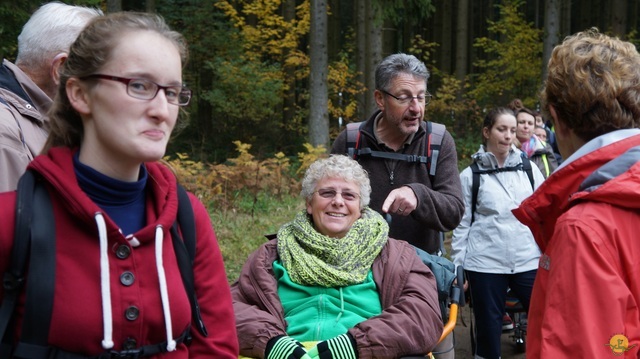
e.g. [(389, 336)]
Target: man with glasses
[(419, 205), (28, 86)]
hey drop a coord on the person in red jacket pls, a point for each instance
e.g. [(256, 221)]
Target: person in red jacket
[(118, 288), (586, 296)]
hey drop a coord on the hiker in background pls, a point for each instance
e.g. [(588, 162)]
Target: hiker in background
[(541, 133), (118, 287), (539, 152), (334, 278), (585, 217), (423, 199), (28, 87), (496, 250)]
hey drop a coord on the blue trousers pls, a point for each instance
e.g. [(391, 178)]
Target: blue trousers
[(488, 296)]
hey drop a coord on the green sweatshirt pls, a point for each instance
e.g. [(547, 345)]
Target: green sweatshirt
[(315, 313)]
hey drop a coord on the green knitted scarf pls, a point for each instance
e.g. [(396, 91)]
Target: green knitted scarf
[(311, 258)]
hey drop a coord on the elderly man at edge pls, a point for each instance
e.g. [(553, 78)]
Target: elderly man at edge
[(28, 86)]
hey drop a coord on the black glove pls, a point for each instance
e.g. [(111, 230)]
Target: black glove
[(341, 347), (284, 347)]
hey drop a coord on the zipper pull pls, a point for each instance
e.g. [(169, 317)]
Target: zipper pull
[(391, 177)]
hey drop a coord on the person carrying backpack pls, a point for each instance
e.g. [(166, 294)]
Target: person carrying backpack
[(412, 164), (413, 168), (108, 274), (497, 251)]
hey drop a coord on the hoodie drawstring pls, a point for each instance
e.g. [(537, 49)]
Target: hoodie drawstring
[(171, 343), (105, 284)]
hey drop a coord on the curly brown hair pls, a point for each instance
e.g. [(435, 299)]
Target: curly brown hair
[(593, 84)]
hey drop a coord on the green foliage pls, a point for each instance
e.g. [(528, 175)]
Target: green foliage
[(245, 91), (397, 10), (513, 61), (240, 232), (450, 104)]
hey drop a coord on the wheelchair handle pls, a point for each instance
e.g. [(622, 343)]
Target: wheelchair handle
[(457, 292)]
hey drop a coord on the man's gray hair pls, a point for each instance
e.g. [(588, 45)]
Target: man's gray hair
[(51, 30), (395, 64)]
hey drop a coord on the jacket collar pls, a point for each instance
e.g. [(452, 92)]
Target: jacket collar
[(9, 82), (541, 210)]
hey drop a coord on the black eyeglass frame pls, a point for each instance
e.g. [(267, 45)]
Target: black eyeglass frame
[(407, 100), (183, 91)]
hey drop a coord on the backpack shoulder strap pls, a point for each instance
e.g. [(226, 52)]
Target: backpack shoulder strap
[(475, 186), (526, 167), (14, 278), (32, 201), (476, 172), (435, 134), (353, 139), (185, 249)]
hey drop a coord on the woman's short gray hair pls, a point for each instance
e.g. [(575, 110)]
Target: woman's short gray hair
[(339, 166)]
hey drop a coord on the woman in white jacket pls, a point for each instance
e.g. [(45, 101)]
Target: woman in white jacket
[(497, 251)]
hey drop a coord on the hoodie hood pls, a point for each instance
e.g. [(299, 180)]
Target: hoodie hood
[(57, 168), (607, 175)]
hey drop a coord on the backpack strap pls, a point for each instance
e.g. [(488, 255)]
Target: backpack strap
[(475, 182), (475, 186), (41, 282), (353, 139), (29, 241), (14, 278), (526, 167), (435, 134), (185, 248)]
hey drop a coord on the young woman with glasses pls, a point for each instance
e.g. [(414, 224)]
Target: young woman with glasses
[(118, 288)]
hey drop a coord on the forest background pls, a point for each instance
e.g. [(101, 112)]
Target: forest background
[(275, 81)]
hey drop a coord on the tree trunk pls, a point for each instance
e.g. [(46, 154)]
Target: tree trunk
[(318, 93), (565, 24), (335, 34), (447, 37), (462, 36), (114, 6), (289, 101), (619, 18), (361, 49), (373, 53), (551, 31)]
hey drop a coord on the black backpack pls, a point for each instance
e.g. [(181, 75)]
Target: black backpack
[(525, 165), (435, 134), (33, 204)]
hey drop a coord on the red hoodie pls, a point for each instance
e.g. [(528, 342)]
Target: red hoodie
[(78, 318)]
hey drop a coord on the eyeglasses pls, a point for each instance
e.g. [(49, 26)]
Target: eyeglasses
[(405, 100), (147, 90), (331, 193)]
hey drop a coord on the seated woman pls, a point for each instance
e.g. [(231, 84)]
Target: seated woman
[(333, 276)]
